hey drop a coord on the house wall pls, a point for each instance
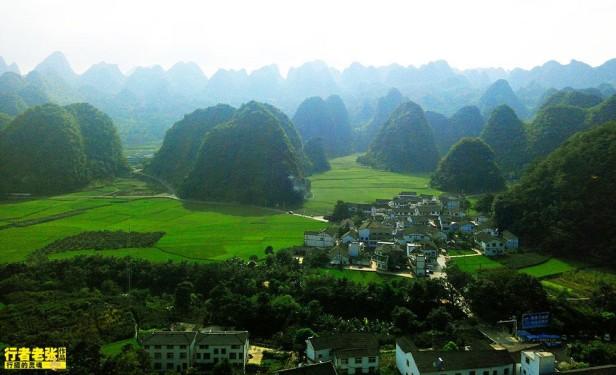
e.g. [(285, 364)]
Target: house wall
[(212, 354), (312, 240), (315, 356), (169, 357), (358, 365), (406, 366), (405, 362)]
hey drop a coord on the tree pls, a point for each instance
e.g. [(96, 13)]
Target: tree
[(469, 167), (450, 347), (439, 318), (341, 211), (484, 203), (183, 293), (405, 320), (505, 134), (405, 143), (549, 206), (264, 169)]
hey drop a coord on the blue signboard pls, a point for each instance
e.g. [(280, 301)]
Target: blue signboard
[(535, 320)]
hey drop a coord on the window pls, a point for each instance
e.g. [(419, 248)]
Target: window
[(458, 373), (471, 372), (170, 355), (157, 355), (169, 366), (495, 372), (182, 346), (371, 359), (506, 371), (158, 366), (198, 355), (146, 347), (204, 347), (169, 346), (223, 351), (486, 372), (183, 355), (527, 360), (357, 360), (216, 351), (206, 355), (408, 365), (231, 355), (156, 346), (235, 346)]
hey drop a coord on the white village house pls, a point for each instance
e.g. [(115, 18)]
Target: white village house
[(351, 353), (411, 361)]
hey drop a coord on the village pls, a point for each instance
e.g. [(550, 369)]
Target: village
[(351, 353), (410, 235)]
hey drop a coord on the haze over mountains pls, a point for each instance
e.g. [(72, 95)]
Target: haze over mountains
[(146, 102)]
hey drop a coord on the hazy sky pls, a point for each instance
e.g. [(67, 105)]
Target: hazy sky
[(252, 33)]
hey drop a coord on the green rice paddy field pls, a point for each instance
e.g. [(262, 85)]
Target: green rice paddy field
[(352, 182), (194, 231)]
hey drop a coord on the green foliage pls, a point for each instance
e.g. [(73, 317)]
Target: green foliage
[(404, 144), (12, 104), (484, 203), (450, 347), (602, 113), (4, 120), (385, 106), (499, 94), (326, 119), (469, 167), (314, 151), (50, 149), (176, 157), (562, 199), (496, 294), (248, 160), (183, 292), (341, 211), (505, 134), (101, 142), (467, 122), (99, 240), (42, 152), (552, 126), (595, 353), (574, 98)]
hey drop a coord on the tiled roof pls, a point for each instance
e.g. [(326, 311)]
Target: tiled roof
[(168, 338), (222, 338), (347, 341), (461, 360)]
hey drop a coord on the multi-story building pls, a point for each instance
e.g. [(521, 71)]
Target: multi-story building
[(169, 350), (180, 350), (351, 353), (411, 361), (213, 347)]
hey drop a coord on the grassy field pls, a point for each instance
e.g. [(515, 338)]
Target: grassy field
[(194, 231), (551, 267), (475, 264), (361, 277), (114, 348), (580, 282), (523, 260), (351, 182)]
